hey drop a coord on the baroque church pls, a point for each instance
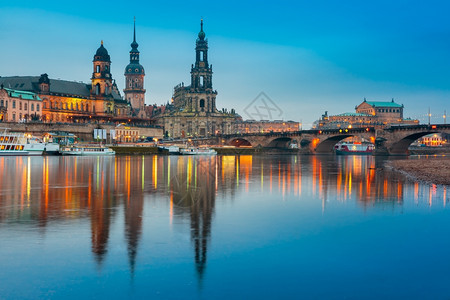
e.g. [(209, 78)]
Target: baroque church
[(193, 112)]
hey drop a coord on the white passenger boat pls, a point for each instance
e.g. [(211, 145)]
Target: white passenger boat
[(169, 149), (197, 151), (347, 148), (86, 150), (12, 144)]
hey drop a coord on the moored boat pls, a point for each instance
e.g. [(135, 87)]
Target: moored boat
[(12, 144), (349, 148), (86, 150), (197, 151), (169, 149)]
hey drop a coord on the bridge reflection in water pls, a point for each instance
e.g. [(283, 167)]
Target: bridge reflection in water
[(106, 190)]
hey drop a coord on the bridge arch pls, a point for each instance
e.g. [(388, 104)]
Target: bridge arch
[(281, 142), (327, 146), (239, 142), (400, 147)]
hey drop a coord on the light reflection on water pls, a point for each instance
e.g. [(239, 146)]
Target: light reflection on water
[(161, 211)]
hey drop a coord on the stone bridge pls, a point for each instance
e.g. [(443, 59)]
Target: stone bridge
[(393, 140)]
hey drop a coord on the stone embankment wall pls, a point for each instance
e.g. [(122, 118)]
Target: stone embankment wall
[(85, 132)]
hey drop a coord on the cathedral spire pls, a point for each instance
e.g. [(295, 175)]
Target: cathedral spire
[(201, 34), (134, 44)]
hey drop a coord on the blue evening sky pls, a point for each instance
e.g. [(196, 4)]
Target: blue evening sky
[(307, 56)]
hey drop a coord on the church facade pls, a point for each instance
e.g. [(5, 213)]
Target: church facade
[(193, 112)]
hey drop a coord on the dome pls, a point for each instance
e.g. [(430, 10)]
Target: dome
[(101, 54), (201, 34), (134, 69)]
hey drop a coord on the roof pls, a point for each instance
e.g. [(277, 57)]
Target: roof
[(383, 104), (22, 94), (57, 86), (350, 114)]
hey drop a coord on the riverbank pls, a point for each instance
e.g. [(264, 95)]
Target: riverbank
[(433, 170)]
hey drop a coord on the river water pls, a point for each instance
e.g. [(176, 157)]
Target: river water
[(222, 227)]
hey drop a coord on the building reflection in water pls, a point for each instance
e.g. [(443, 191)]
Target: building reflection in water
[(45, 191)]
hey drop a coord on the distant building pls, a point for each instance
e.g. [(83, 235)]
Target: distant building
[(431, 140), (193, 109), (368, 113), (264, 126), (16, 106), (126, 134)]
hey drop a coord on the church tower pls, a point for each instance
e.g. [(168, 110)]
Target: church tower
[(101, 77), (134, 80), (201, 77)]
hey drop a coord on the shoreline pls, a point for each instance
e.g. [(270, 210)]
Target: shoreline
[(430, 170)]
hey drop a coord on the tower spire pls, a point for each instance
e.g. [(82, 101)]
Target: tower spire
[(134, 30), (201, 34), (134, 44)]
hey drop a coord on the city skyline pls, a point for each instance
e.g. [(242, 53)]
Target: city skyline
[(307, 59)]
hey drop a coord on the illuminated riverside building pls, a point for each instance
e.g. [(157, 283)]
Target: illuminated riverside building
[(431, 140), (193, 110), (253, 126), (18, 105), (368, 113), (68, 102)]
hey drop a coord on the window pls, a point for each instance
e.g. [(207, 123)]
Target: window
[(1, 103), (201, 56), (97, 89), (37, 107), (202, 103), (20, 106), (202, 79), (32, 107), (97, 69), (25, 106), (14, 116)]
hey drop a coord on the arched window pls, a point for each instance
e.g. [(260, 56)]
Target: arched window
[(106, 90), (97, 68), (97, 89), (202, 56), (202, 104), (202, 81)]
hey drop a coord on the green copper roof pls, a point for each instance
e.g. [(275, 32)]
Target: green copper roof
[(23, 95), (349, 114), (383, 104)]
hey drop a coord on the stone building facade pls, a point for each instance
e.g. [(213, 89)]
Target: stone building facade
[(69, 102), (193, 112), (369, 113), (264, 126), (16, 106)]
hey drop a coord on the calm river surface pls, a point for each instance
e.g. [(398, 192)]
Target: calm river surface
[(225, 227)]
